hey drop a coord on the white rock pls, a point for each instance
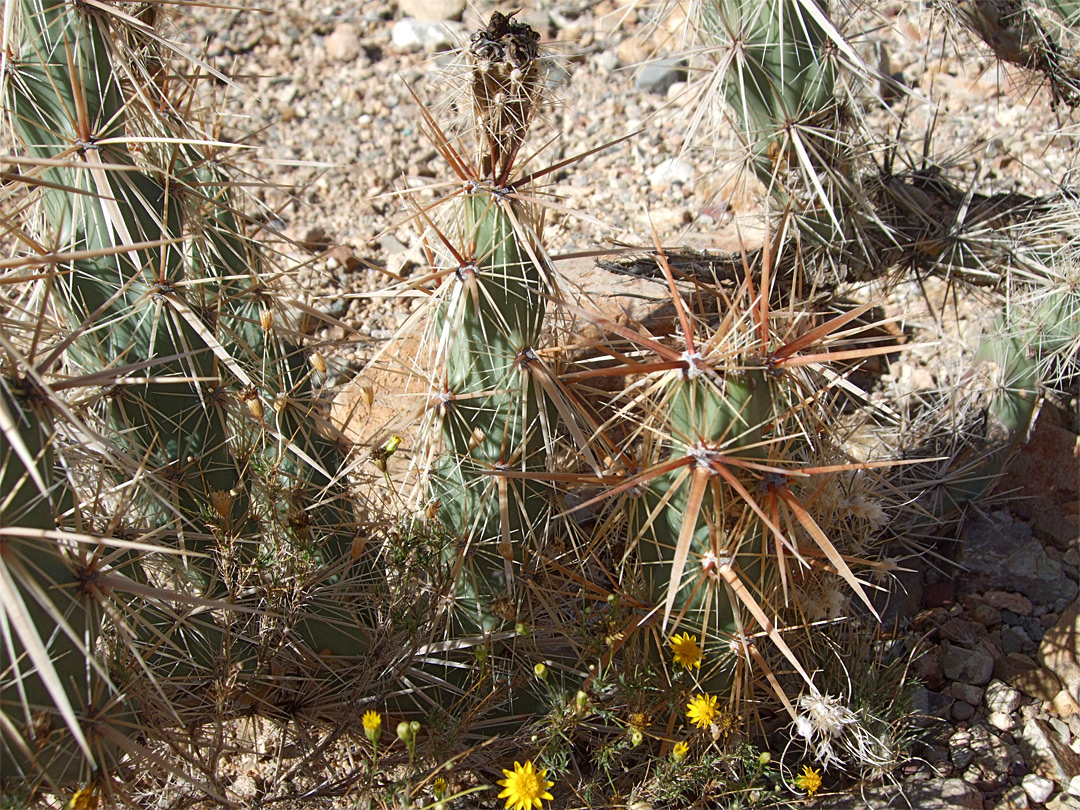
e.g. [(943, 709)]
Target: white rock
[(432, 9), (671, 171), (1001, 721), (1074, 786), (410, 34), (1000, 697), (1038, 788), (343, 44)]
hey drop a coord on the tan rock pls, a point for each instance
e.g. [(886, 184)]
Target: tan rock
[(1059, 650), (1039, 683), (1064, 706)]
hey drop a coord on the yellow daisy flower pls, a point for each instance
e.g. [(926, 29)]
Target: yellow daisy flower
[(372, 725), (678, 753), (809, 780), (701, 710), (524, 787), (685, 650)]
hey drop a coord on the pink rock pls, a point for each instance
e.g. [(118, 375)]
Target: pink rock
[(1004, 600)]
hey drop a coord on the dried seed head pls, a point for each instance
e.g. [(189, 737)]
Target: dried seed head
[(222, 500), (318, 362), (506, 86), (476, 438), (266, 318)]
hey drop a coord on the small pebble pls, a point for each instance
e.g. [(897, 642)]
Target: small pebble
[(343, 45), (671, 171)]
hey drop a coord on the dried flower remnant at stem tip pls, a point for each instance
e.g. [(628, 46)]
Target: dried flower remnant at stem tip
[(506, 86)]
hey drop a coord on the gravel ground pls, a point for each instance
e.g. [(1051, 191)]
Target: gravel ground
[(325, 91)]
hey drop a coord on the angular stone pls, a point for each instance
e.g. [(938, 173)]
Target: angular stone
[(961, 630), (1000, 697), (1013, 799), (1059, 650), (993, 759), (1074, 786), (1039, 683), (967, 693), (1016, 639), (1046, 753), (658, 76), (958, 793), (1044, 493), (927, 668), (1038, 788), (962, 711), (986, 615), (1002, 554), (1001, 721), (1064, 705), (1004, 600), (929, 708), (969, 666), (960, 753), (1063, 801)]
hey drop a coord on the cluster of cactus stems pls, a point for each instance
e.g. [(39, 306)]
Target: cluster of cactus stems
[(198, 409), (164, 450)]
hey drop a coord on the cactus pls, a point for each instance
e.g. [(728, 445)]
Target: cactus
[(1037, 36), (225, 565), (44, 620), (715, 514), (218, 454), (489, 408)]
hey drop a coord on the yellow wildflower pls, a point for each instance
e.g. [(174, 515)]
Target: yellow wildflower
[(678, 753), (372, 725), (84, 799), (809, 780), (701, 710), (438, 787), (686, 651), (524, 787)]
